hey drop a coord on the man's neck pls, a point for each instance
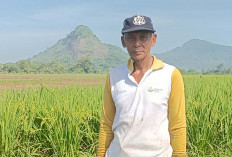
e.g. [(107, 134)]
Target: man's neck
[(143, 64)]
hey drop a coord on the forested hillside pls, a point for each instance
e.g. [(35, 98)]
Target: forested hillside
[(82, 52)]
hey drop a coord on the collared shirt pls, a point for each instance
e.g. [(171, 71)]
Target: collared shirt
[(145, 119)]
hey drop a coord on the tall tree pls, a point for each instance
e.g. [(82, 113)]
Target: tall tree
[(25, 66), (10, 68), (85, 63)]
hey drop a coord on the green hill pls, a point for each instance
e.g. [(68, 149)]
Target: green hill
[(198, 54), (81, 43)]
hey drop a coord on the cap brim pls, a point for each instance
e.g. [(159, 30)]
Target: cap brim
[(137, 29)]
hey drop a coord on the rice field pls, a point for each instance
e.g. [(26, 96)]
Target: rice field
[(59, 115)]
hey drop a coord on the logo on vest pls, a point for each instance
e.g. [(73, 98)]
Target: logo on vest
[(155, 90), (117, 92), (139, 20)]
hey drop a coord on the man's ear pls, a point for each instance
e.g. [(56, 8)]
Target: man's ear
[(123, 41), (154, 37)]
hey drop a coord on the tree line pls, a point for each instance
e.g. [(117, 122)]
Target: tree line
[(84, 65), (217, 70)]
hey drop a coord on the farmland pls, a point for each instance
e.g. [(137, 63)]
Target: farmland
[(59, 115)]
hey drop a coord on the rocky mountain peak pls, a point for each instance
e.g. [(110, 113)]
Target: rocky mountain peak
[(82, 31)]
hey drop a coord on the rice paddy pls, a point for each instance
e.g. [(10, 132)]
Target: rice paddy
[(59, 115)]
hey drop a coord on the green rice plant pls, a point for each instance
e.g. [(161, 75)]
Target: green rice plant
[(209, 115), (50, 121), (55, 121)]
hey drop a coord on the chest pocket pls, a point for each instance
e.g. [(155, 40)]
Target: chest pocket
[(123, 97)]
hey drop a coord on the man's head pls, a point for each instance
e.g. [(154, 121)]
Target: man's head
[(138, 36)]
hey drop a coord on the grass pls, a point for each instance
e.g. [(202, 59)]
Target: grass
[(59, 115), (50, 121), (209, 115)]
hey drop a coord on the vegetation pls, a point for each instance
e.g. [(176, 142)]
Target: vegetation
[(63, 120), (50, 121), (84, 66), (209, 115), (220, 69), (82, 52)]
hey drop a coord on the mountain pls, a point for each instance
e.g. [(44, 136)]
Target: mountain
[(80, 43), (198, 54)]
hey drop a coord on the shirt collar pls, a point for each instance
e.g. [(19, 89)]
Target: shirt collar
[(157, 64)]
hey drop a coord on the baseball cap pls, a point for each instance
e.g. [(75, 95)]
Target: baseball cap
[(136, 23)]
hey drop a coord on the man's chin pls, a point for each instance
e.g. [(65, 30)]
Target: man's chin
[(137, 57)]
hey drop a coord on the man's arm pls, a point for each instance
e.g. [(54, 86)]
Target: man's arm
[(108, 111), (176, 115)]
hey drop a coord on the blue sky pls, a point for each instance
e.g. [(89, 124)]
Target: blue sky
[(29, 27)]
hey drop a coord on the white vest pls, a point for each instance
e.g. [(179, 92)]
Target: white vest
[(140, 124)]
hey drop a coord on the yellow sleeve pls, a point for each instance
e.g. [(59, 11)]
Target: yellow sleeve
[(107, 117), (176, 115)]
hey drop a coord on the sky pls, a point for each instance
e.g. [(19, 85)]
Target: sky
[(28, 27)]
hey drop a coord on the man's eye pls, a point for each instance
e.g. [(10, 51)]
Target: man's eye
[(144, 37), (130, 38)]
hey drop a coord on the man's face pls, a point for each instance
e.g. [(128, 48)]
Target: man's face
[(138, 43)]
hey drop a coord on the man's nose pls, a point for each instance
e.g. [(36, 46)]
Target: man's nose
[(138, 42)]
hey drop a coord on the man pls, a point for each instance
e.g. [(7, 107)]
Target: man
[(144, 105)]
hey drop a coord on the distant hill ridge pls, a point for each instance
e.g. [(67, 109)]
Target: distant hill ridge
[(198, 54), (82, 42)]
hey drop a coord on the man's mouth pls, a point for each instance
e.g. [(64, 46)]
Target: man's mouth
[(138, 51)]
